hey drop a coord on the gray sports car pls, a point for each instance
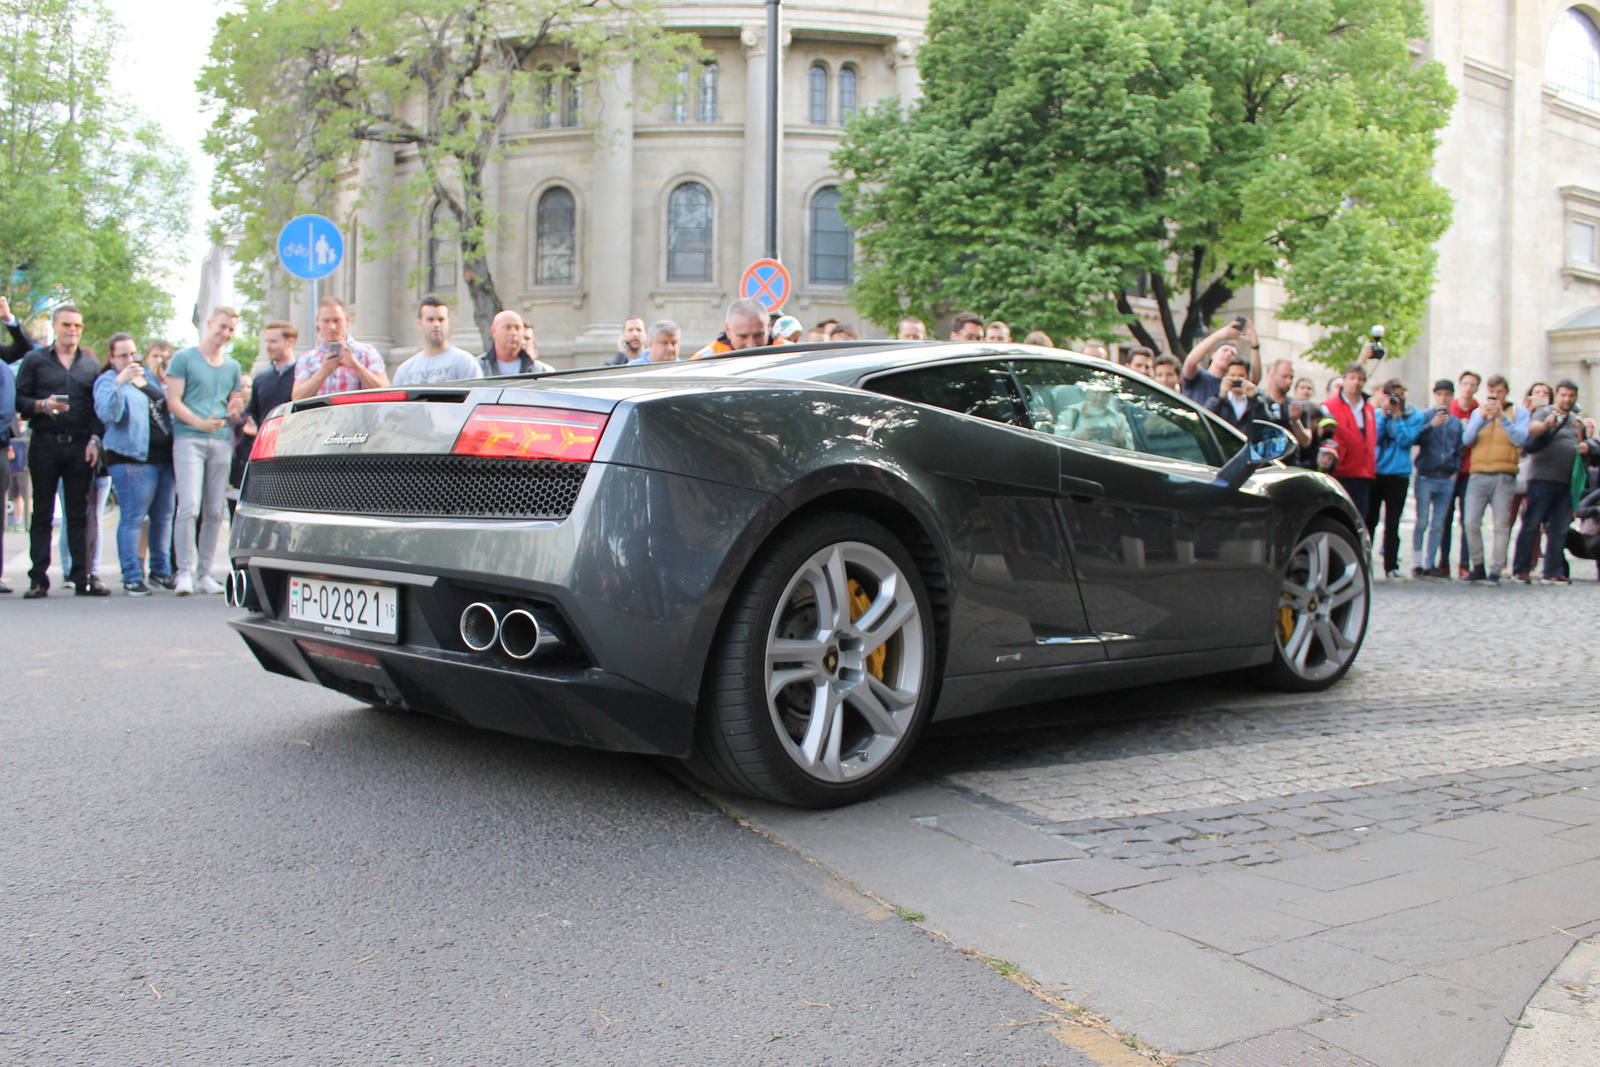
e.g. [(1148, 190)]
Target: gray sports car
[(779, 565)]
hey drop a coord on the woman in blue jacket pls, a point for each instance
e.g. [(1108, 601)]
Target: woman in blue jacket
[(138, 451)]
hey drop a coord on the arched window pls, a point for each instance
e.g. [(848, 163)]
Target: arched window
[(555, 242), (847, 94), (708, 92), (678, 102), (689, 233), (832, 242), (819, 95), (1572, 61), (571, 99), (443, 250)]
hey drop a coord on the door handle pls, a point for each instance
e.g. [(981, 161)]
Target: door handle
[(1081, 487)]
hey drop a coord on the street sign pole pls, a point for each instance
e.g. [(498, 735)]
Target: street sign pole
[(310, 248), (774, 64)]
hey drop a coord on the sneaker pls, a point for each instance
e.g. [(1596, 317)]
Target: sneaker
[(93, 587), (135, 589), (1493, 579), (183, 585), (1475, 575), (1521, 579), (1394, 576), (1464, 574), (1418, 572), (207, 584), (168, 582), (1560, 579)]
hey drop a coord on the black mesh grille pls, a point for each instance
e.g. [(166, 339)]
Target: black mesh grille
[(420, 486)]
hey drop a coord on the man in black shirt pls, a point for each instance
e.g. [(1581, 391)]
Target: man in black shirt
[(18, 343), (274, 385), (55, 393)]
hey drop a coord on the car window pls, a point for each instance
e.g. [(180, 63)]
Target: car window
[(1107, 407), (974, 388)]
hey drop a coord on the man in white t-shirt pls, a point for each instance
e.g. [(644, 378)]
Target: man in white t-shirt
[(439, 360)]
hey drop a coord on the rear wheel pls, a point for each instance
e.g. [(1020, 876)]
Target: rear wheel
[(1322, 609), (824, 670)]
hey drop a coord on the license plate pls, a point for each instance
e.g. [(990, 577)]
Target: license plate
[(364, 609)]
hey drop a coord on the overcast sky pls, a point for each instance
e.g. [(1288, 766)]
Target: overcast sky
[(161, 51)]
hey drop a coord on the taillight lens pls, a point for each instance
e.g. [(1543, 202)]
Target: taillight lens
[(266, 445), (531, 433), (367, 398)]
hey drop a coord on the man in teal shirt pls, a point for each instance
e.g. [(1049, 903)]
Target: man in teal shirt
[(202, 383)]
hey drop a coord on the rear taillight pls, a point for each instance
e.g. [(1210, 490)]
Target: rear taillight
[(367, 398), (531, 433), (266, 445)]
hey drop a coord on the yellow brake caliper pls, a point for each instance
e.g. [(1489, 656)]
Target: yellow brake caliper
[(1285, 624), (859, 602)]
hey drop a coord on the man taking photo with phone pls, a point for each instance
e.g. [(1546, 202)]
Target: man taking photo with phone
[(1496, 432), (337, 364), (55, 393), (1556, 435)]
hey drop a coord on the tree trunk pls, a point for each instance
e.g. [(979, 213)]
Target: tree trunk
[(1135, 325), (480, 287)]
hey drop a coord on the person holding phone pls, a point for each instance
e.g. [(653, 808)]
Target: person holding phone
[(55, 393), (337, 364), (1200, 383), (138, 444)]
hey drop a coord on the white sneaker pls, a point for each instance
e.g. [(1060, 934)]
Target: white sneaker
[(207, 584), (184, 586)]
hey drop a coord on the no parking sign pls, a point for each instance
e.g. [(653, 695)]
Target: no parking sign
[(767, 282)]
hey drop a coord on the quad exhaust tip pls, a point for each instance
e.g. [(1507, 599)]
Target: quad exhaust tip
[(480, 627), (520, 634)]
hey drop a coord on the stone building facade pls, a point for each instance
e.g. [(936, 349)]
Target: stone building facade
[(624, 208), (621, 207)]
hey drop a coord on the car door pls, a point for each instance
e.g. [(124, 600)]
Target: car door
[(1168, 561), (1019, 592)]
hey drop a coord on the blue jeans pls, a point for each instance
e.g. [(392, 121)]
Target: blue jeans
[(1434, 499), (144, 490), (1549, 505)]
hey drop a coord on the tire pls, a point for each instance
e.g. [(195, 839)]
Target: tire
[(791, 637), (1322, 612)]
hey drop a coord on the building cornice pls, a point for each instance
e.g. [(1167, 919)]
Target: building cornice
[(1487, 73)]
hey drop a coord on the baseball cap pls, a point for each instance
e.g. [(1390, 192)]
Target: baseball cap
[(1444, 385), (787, 326)]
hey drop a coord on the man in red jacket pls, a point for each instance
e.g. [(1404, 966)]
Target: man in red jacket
[(1461, 407), (1356, 433)]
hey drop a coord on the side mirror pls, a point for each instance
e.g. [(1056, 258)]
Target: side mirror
[(1268, 442)]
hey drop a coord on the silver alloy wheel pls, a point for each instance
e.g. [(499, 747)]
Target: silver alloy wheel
[(1323, 607), (844, 662)]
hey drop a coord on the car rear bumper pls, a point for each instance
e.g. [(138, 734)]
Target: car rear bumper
[(563, 700)]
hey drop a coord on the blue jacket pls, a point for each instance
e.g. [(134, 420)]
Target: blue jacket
[(1439, 447), (8, 402), (1395, 437), (126, 412)]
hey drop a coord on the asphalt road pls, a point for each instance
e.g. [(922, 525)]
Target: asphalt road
[(205, 863)]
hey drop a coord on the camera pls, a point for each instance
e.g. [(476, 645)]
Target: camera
[(1378, 349)]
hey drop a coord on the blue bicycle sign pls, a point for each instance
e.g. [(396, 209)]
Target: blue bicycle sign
[(310, 247)]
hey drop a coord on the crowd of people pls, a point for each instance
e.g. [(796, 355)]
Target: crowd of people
[(171, 431)]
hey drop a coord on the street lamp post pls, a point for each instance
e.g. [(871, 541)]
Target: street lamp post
[(773, 54)]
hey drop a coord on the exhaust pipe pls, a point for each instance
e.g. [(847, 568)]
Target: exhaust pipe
[(236, 588), (521, 635), (480, 626)]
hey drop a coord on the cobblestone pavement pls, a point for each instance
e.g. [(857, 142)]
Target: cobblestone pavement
[(1464, 699)]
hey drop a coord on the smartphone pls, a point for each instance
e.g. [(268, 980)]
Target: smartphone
[(335, 351), (1240, 322), (61, 398)]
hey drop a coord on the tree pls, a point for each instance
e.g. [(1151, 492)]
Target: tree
[(299, 87), (1066, 150), (93, 200)]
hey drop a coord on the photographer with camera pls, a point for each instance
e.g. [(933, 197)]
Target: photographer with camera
[(1556, 436), (1237, 404), (1496, 432), (1399, 423), (1200, 384)]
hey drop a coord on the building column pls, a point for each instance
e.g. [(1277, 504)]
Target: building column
[(374, 278), (1526, 346), (753, 212), (902, 55), (607, 266)]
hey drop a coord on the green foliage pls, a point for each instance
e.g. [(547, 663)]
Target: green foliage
[(1206, 143), (93, 200), (300, 86)]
